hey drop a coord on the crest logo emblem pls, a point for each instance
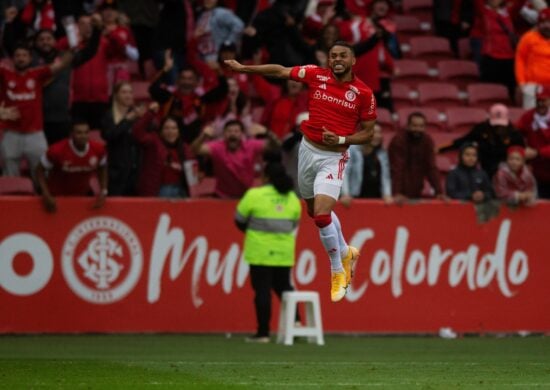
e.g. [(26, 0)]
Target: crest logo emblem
[(30, 84), (350, 96), (102, 260)]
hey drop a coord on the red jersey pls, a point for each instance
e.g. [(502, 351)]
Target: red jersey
[(24, 91), (338, 106), (71, 169)]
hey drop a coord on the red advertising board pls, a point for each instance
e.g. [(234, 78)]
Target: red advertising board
[(148, 265)]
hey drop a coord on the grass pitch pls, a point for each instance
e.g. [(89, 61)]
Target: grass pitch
[(219, 362)]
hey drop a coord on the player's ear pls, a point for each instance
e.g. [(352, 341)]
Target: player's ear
[(353, 60)]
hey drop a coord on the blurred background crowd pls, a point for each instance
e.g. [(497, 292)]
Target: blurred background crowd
[(131, 97)]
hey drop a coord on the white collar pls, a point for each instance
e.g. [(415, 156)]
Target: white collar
[(78, 152)]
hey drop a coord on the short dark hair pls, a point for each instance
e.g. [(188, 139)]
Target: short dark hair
[(234, 122), (344, 44), (416, 114), (78, 122), (22, 46)]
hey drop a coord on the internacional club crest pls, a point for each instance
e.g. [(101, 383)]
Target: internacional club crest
[(102, 260)]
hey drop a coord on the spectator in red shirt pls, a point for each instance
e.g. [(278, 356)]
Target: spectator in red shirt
[(90, 83), (499, 42), (535, 127), (21, 89), (163, 156), (412, 159), (183, 100), (234, 158), (514, 183), (71, 164), (125, 50)]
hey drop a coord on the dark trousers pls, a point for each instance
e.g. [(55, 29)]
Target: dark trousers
[(264, 279), (543, 188), (494, 70)]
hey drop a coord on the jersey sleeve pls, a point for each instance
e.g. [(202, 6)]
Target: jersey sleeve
[(43, 74), (368, 111), (50, 158), (244, 208), (304, 74)]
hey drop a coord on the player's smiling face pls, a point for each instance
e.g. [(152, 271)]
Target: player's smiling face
[(340, 60)]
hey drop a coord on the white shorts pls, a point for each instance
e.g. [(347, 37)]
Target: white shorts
[(320, 171)]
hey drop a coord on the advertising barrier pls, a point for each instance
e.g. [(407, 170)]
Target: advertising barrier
[(149, 265)]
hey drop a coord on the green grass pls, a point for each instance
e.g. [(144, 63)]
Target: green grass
[(217, 362)]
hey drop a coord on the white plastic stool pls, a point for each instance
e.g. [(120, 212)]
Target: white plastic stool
[(312, 329)]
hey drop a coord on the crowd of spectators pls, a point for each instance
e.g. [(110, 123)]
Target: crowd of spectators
[(138, 88)]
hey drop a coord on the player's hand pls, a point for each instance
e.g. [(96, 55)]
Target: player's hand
[(478, 196), (100, 200), (346, 200), (49, 204), (400, 199), (388, 199), (168, 61), (97, 21), (531, 153), (209, 131), (8, 113), (329, 138), (235, 66), (154, 107)]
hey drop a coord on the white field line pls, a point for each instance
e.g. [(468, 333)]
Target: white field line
[(339, 363), (346, 384)]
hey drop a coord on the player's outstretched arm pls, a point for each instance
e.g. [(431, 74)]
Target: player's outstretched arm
[(268, 70)]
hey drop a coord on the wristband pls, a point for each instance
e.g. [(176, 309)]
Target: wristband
[(341, 140)]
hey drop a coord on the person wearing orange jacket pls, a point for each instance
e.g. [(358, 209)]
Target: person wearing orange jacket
[(533, 59)]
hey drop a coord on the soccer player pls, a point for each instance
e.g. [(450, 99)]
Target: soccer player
[(71, 163), (338, 102)]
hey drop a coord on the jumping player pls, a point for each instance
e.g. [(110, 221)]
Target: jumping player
[(338, 102)]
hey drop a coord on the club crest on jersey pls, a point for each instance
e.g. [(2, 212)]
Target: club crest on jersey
[(350, 96), (93, 161), (102, 260), (30, 84)]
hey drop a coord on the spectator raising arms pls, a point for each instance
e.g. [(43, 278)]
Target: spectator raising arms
[(22, 89), (467, 181), (71, 163), (123, 152), (164, 154), (513, 182), (234, 157)]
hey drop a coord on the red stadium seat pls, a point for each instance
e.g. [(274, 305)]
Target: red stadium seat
[(402, 95), (445, 162), (515, 113), (464, 49), (461, 119), (385, 120), (412, 72), (459, 72), (442, 138), (407, 26), (485, 95), (204, 188), (433, 120), (431, 49), (438, 95), (16, 186), (422, 9)]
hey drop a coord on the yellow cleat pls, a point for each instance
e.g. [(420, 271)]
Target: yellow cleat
[(338, 286), (348, 262)]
